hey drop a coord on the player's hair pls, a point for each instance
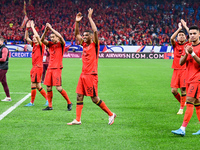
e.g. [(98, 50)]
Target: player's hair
[(2, 38), (181, 32), (53, 33), (90, 31), (194, 28)]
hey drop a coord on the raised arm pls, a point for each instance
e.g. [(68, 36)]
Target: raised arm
[(43, 40), (62, 41), (185, 25), (94, 28), (26, 33), (35, 33), (77, 34), (175, 34)]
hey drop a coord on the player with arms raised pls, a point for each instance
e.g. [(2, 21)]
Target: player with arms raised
[(54, 70), (178, 77), (37, 69), (191, 57), (88, 81)]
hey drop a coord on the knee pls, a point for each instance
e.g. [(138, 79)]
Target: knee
[(49, 88), (59, 88), (95, 99), (190, 100), (174, 91), (38, 86), (183, 91), (79, 97), (33, 84)]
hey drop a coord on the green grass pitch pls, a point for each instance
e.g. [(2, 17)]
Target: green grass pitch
[(138, 91)]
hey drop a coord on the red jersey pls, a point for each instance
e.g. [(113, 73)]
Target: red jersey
[(37, 55), (90, 58), (192, 67), (56, 54), (178, 50)]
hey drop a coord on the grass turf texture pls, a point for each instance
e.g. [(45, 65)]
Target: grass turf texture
[(138, 91)]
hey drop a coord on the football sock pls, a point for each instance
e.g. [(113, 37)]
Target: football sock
[(182, 128), (178, 97), (198, 111), (33, 94), (49, 97), (42, 91), (64, 94), (79, 107), (188, 114), (103, 106), (183, 99)]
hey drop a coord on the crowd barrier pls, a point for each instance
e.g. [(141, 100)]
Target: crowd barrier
[(106, 51), (103, 48)]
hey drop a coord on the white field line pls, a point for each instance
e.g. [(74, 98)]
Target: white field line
[(9, 110)]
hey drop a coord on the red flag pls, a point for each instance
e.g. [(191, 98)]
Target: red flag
[(24, 10), (25, 17), (24, 21)]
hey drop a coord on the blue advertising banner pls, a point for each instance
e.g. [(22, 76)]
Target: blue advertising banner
[(21, 54)]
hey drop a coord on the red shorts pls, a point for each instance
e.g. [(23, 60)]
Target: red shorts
[(36, 74), (87, 85), (194, 90), (178, 79), (53, 77)]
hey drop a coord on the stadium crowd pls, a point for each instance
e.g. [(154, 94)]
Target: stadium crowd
[(120, 22)]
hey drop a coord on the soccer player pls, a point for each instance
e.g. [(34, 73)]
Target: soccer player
[(178, 77), (191, 57), (37, 65), (54, 70), (87, 84), (4, 57)]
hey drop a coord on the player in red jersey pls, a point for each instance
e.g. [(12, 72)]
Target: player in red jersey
[(88, 81), (37, 65), (191, 57), (178, 77), (54, 71)]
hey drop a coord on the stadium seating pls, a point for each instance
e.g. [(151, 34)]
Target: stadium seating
[(127, 22)]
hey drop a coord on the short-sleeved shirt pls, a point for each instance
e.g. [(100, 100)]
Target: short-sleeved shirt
[(37, 55), (192, 67), (178, 50), (90, 58), (56, 51)]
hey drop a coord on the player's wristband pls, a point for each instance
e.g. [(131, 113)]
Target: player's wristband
[(193, 54)]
